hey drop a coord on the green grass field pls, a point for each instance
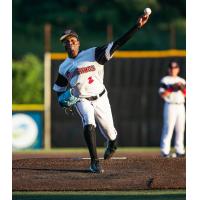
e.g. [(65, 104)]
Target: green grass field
[(84, 149), (117, 195)]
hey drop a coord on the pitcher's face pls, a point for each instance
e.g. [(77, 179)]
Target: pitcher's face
[(72, 45)]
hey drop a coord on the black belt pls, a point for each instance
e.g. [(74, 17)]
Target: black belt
[(93, 98)]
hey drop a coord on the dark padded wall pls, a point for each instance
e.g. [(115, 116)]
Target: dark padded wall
[(132, 85)]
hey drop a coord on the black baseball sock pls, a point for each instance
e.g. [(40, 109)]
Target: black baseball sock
[(90, 138), (113, 144)]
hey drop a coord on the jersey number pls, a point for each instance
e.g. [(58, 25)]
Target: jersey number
[(90, 80)]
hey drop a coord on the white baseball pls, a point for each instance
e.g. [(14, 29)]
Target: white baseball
[(147, 11)]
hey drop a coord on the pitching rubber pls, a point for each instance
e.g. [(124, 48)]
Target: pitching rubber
[(101, 158)]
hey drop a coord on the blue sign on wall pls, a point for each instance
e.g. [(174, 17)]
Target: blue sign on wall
[(27, 130)]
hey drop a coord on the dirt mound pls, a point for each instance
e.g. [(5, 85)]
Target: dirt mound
[(71, 174)]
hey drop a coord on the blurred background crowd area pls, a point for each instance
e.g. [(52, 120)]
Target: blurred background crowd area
[(96, 21)]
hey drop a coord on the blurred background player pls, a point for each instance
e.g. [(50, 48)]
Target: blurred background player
[(173, 91), (83, 73)]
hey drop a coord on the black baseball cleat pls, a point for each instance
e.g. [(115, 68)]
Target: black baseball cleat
[(110, 150), (180, 155), (95, 167), (165, 155)]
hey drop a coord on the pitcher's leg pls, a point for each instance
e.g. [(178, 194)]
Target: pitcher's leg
[(180, 128), (104, 120), (86, 111), (103, 116), (90, 138), (169, 119)]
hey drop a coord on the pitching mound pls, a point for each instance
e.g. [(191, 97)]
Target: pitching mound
[(71, 174)]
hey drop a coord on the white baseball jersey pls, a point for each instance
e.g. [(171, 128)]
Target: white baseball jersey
[(84, 73), (176, 97)]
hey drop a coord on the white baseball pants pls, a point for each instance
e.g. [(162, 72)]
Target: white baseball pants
[(173, 118), (98, 113)]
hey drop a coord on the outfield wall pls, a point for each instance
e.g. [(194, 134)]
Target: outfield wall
[(132, 80)]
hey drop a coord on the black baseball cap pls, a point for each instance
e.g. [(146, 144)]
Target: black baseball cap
[(173, 64), (67, 33)]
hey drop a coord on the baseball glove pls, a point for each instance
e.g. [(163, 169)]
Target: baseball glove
[(182, 86), (175, 87), (67, 99)]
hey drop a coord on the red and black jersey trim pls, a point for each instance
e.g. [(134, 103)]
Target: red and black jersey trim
[(100, 54), (163, 85)]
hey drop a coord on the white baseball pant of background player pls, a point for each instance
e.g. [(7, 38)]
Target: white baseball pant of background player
[(174, 117)]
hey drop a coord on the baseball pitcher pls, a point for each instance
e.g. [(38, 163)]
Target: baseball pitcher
[(80, 84)]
